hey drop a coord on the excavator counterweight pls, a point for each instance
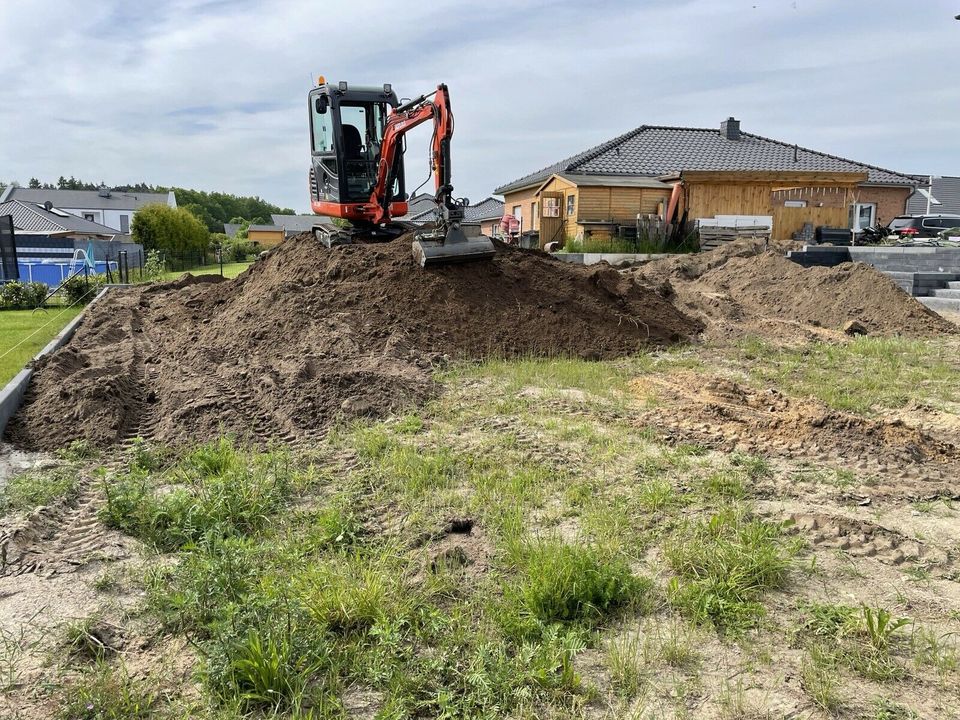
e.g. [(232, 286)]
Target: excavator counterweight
[(357, 174)]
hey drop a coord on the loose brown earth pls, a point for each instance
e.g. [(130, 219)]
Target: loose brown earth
[(742, 290), (312, 335)]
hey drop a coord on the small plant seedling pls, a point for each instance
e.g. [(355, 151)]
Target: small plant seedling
[(881, 626)]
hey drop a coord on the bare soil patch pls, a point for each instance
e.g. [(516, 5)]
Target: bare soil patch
[(312, 334), (725, 415)]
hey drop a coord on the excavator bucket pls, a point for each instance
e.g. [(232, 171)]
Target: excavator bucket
[(453, 247)]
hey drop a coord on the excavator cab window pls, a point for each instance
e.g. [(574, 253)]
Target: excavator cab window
[(361, 128)]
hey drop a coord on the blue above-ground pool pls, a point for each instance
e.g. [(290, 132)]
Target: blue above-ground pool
[(54, 273)]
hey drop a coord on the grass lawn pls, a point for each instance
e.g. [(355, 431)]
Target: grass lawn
[(230, 270), (17, 325)]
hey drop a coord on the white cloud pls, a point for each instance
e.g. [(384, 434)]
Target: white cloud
[(212, 94)]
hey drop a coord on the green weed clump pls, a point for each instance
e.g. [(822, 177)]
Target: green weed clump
[(217, 490), (723, 565), (30, 490), (860, 638), (85, 639), (563, 583), (861, 375), (105, 693), (270, 669)]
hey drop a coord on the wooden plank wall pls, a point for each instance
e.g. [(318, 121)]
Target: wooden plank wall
[(618, 204), (788, 220), (709, 199)]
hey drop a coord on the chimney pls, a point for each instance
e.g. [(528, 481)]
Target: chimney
[(730, 129)]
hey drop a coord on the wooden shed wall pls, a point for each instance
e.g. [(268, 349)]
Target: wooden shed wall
[(266, 238), (618, 204), (709, 199)]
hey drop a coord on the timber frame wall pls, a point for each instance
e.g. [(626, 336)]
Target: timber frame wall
[(828, 197)]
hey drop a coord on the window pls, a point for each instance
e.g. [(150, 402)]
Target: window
[(533, 216), (945, 223), (862, 215), (571, 205), (89, 216), (322, 130), (124, 223), (517, 211), (795, 203)]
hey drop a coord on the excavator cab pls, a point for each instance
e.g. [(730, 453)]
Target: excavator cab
[(347, 126)]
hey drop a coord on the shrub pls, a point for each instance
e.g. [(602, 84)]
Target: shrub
[(154, 266), (173, 230), (82, 289), (16, 295)]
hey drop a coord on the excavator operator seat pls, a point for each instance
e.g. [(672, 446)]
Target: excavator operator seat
[(352, 144)]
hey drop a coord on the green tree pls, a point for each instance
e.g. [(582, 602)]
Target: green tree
[(34, 183), (172, 230)]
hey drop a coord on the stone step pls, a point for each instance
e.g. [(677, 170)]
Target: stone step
[(953, 285), (938, 304), (941, 293)]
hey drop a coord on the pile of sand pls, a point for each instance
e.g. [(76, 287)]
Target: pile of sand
[(742, 290), (310, 335)]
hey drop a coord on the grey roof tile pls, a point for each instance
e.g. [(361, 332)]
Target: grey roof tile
[(300, 223), (654, 150), (488, 209), (33, 218)]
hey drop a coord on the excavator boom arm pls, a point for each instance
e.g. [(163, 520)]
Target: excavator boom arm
[(399, 123)]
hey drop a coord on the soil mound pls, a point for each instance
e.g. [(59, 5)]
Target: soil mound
[(743, 290), (310, 334)]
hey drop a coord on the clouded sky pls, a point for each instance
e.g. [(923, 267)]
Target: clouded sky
[(211, 94)]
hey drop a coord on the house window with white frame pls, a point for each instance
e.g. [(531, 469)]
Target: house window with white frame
[(571, 205), (863, 215)]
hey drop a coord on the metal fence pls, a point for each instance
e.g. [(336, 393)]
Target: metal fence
[(9, 269)]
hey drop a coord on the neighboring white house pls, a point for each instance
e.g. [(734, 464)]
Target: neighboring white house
[(112, 208)]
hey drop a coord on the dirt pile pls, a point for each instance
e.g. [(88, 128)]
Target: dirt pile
[(309, 335), (743, 290)]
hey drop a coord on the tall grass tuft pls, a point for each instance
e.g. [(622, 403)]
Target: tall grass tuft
[(561, 582), (723, 565)]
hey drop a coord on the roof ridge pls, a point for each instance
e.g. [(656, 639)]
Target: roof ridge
[(829, 155)]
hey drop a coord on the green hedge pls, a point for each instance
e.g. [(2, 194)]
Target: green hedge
[(17, 295)]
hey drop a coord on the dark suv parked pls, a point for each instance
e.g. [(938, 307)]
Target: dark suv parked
[(922, 226)]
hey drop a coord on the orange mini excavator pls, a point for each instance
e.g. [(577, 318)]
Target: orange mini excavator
[(357, 146)]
